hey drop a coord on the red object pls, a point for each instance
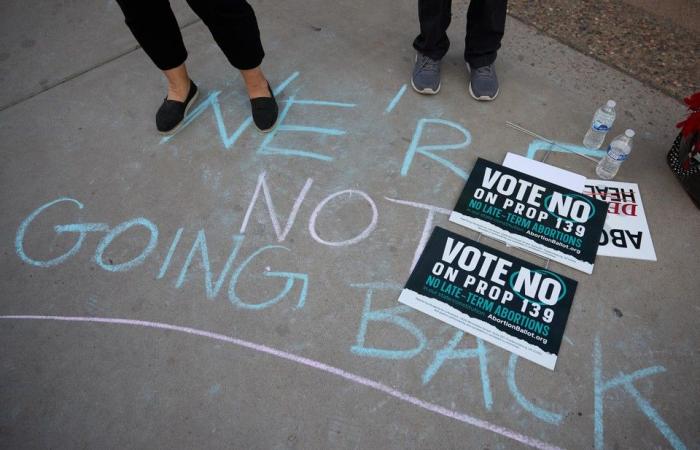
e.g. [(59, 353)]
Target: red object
[(692, 123), (690, 128)]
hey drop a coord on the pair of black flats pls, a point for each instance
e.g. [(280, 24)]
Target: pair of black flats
[(172, 112)]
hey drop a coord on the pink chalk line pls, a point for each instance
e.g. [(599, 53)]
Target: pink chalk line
[(465, 418)]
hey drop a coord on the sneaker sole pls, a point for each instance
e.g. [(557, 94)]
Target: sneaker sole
[(483, 98), (187, 109), (426, 91)]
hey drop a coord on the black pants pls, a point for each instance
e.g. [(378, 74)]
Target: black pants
[(486, 20), (232, 24)]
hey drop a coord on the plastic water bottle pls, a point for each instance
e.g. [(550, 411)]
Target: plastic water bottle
[(602, 122), (618, 151)]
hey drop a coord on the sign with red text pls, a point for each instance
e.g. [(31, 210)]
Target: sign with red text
[(497, 297), (626, 232)]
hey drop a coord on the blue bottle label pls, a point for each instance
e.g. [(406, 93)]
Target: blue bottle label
[(616, 155), (599, 126)]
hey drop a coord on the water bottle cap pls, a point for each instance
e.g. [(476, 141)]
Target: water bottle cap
[(629, 133), (611, 104)]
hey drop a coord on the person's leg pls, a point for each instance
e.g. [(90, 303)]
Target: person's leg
[(178, 83), (431, 44), (234, 27), (434, 17), (486, 20), (154, 26), (256, 83)]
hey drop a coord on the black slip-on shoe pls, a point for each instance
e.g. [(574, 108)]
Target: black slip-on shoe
[(264, 111), (172, 112)]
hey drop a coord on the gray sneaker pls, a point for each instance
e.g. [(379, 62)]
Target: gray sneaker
[(483, 83), (426, 75)]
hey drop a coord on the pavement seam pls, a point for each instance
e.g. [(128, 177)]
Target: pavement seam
[(75, 75)]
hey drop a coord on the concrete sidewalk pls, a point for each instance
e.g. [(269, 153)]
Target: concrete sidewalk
[(274, 325)]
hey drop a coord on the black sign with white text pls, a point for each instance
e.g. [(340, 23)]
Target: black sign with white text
[(504, 300), (533, 214)]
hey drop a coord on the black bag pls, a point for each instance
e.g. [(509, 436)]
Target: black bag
[(689, 176)]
